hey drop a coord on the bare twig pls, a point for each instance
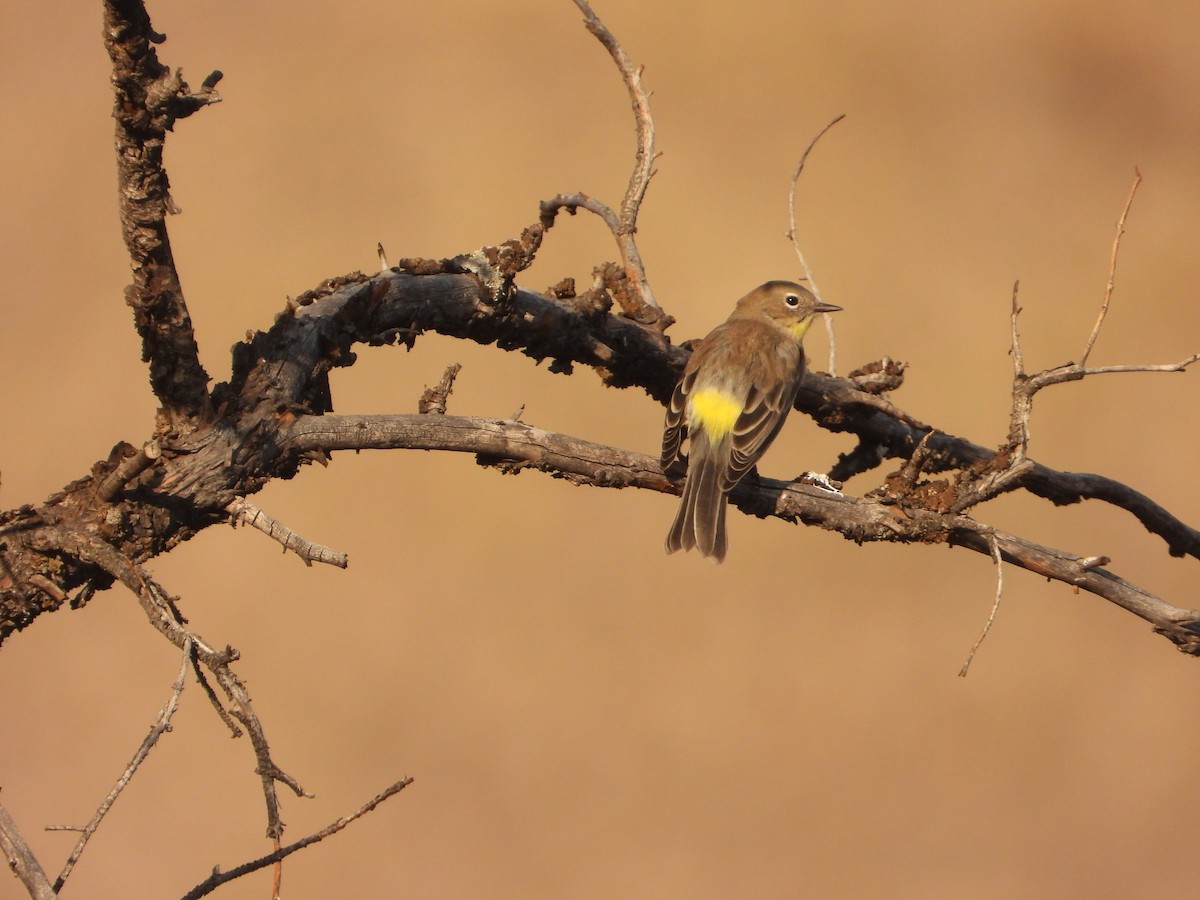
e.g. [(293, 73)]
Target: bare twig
[(1075, 372), (1112, 270), (911, 470), (631, 257), (1026, 386), (987, 626), (161, 725), (794, 238), (631, 74), (21, 860), (242, 510), (235, 730), (1022, 400), (791, 232), (1015, 350), (277, 874), (1012, 468), (219, 878), (160, 609), (623, 225)]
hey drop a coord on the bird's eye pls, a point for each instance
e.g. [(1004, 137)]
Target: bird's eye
[(792, 301)]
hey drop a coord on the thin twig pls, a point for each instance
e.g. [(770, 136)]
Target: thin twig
[(1180, 366), (235, 730), (155, 600), (161, 725), (792, 236), (623, 225), (1112, 269), (219, 878), (631, 74), (987, 626), (277, 875), (1022, 396), (791, 233), (242, 510), (1031, 384), (1025, 386), (166, 620), (1018, 359)]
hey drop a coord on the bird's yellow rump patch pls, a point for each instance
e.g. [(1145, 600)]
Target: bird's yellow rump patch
[(714, 410)]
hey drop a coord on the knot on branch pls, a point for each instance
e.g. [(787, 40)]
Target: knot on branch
[(497, 267), (879, 377), (906, 489), (1184, 633), (613, 279), (433, 400)]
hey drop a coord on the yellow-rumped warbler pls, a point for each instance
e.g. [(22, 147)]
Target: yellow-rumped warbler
[(735, 394)]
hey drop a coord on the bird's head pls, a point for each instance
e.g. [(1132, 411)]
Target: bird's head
[(787, 304)]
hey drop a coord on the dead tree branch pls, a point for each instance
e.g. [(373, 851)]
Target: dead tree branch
[(1112, 271), (280, 377), (513, 447), (637, 299), (242, 510), (161, 725), (219, 878), (987, 626), (21, 860), (163, 614), (150, 98), (211, 450)]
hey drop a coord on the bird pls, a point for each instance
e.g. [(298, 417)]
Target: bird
[(735, 393)]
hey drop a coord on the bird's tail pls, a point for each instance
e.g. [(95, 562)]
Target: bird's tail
[(700, 522)]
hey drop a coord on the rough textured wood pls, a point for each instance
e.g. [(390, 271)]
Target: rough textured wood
[(270, 419), (149, 99)]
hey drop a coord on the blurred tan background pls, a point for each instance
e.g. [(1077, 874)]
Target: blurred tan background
[(584, 716)]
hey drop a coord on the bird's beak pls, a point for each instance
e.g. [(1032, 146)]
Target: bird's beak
[(827, 307)]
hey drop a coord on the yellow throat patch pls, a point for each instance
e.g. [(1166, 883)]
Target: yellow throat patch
[(797, 329)]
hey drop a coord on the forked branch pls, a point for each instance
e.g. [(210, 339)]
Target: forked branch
[(218, 878), (161, 725), (623, 225)]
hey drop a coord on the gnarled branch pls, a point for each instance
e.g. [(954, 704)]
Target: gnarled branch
[(150, 98)]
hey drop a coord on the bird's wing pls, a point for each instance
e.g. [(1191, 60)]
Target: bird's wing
[(674, 431), (761, 418)]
